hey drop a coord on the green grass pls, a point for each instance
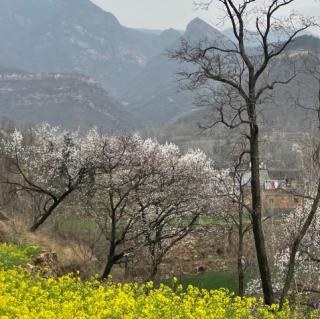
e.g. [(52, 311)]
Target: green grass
[(12, 256), (214, 280)]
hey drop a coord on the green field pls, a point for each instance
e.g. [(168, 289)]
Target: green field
[(214, 280)]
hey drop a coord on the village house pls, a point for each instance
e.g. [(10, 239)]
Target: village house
[(279, 187)]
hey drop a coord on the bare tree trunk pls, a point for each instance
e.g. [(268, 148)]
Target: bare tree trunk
[(257, 212), (153, 271), (156, 259), (107, 269), (230, 242), (240, 267), (43, 218), (113, 259), (240, 254), (49, 211)]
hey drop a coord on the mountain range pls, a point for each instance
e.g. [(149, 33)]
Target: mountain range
[(75, 36), (70, 100), (70, 63)]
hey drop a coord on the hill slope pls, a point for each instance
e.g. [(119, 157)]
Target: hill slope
[(154, 93), (69, 100)]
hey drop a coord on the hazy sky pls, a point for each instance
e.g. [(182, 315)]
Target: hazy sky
[(152, 14), (163, 14)]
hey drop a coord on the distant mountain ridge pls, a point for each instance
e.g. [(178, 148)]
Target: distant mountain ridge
[(74, 36), (252, 38), (69, 100), (154, 93), (74, 45)]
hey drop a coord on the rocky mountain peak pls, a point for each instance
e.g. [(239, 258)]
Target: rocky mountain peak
[(198, 29)]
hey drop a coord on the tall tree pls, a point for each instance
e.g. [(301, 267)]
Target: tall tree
[(244, 82)]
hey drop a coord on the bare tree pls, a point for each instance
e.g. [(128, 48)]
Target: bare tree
[(243, 74)]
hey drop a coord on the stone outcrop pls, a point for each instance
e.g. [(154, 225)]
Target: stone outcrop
[(47, 263)]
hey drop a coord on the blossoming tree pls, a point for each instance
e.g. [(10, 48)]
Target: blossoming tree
[(141, 194), (147, 195), (181, 189), (51, 165)]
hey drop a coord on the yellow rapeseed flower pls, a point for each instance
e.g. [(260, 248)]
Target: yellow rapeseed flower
[(25, 296)]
